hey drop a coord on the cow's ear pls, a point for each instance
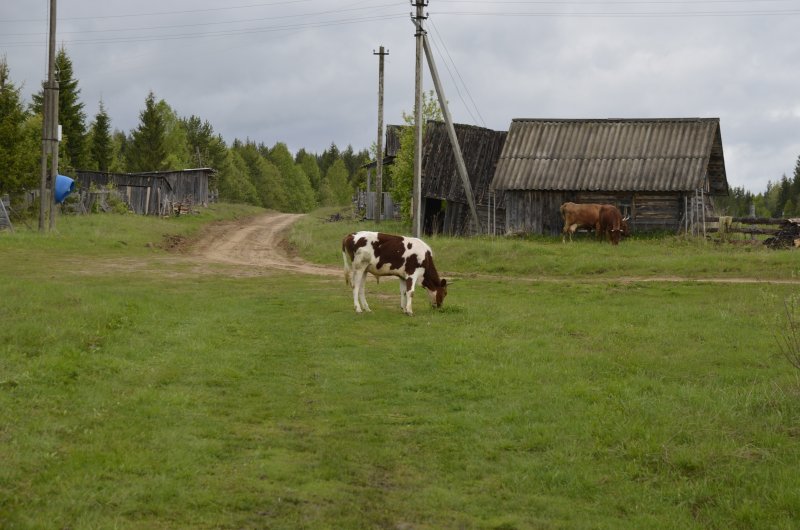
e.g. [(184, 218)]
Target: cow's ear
[(444, 282)]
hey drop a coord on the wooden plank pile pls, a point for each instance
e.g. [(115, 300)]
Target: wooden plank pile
[(787, 236)]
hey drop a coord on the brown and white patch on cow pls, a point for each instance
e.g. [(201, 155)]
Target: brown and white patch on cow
[(410, 259)]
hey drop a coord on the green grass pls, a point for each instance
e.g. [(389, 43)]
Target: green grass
[(539, 256), (169, 397)]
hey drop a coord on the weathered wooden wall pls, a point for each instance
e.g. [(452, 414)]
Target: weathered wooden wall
[(534, 212), (153, 193), (537, 212), (480, 148), (457, 220)]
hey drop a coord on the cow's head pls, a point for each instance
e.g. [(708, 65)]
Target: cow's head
[(437, 294), (624, 225)]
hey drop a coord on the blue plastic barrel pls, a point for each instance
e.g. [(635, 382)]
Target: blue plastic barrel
[(64, 186)]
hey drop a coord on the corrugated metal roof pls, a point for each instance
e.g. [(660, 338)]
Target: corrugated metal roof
[(612, 155)]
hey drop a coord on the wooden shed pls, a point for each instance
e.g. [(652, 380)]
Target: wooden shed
[(444, 202), (153, 193), (661, 172)]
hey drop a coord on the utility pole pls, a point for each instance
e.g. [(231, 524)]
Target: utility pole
[(416, 198), (451, 132), (49, 129), (379, 156)]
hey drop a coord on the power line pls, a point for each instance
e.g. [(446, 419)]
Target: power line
[(613, 2), (640, 14), (226, 33), (466, 89), (215, 23), (162, 13)]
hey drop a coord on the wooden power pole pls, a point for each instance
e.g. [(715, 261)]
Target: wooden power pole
[(49, 130), (451, 132), (379, 156), (416, 204), (416, 197)]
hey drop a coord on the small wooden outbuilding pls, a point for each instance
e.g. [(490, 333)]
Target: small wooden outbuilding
[(444, 202), (661, 172), (154, 193)]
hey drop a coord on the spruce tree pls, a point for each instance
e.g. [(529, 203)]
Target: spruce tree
[(147, 151), (16, 151), (206, 149), (795, 187), (327, 158), (308, 163), (101, 149), (71, 116), (784, 195)]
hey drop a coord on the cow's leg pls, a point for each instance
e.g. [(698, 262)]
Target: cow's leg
[(362, 292), (403, 292), (359, 277), (409, 285), (356, 284), (571, 230)]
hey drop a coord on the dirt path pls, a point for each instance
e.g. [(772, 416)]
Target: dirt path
[(255, 242)]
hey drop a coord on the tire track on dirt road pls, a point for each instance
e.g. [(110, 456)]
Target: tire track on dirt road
[(255, 242)]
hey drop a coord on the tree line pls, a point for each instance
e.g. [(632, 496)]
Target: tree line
[(246, 171), (780, 200)]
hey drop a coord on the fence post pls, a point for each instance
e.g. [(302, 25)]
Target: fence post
[(752, 216)]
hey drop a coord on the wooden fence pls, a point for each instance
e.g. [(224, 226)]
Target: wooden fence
[(764, 226), (782, 233)]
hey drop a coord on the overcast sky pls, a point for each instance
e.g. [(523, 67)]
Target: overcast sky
[(303, 72)]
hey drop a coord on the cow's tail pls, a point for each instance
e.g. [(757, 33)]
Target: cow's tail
[(347, 257)]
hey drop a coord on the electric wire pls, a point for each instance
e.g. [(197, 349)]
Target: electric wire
[(215, 23), (439, 38), (224, 33)]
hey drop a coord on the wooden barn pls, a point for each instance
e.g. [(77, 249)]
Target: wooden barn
[(664, 173), (153, 193), (444, 203)]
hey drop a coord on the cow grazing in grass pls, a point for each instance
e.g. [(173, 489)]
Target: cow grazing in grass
[(579, 216), (612, 226), (408, 258)]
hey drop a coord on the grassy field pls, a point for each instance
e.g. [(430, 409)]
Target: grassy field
[(543, 394)]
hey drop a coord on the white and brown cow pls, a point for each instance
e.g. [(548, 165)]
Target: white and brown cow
[(408, 258)]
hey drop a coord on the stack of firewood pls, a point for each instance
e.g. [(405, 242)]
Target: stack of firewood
[(788, 236)]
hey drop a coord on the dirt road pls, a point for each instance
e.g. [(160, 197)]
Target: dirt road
[(256, 242)]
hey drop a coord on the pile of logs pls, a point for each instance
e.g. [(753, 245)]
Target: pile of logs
[(788, 235)]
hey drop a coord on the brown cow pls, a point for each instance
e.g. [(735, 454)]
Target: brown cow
[(612, 225), (579, 216)]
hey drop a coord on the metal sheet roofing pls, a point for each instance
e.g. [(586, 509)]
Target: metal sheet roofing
[(612, 155)]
